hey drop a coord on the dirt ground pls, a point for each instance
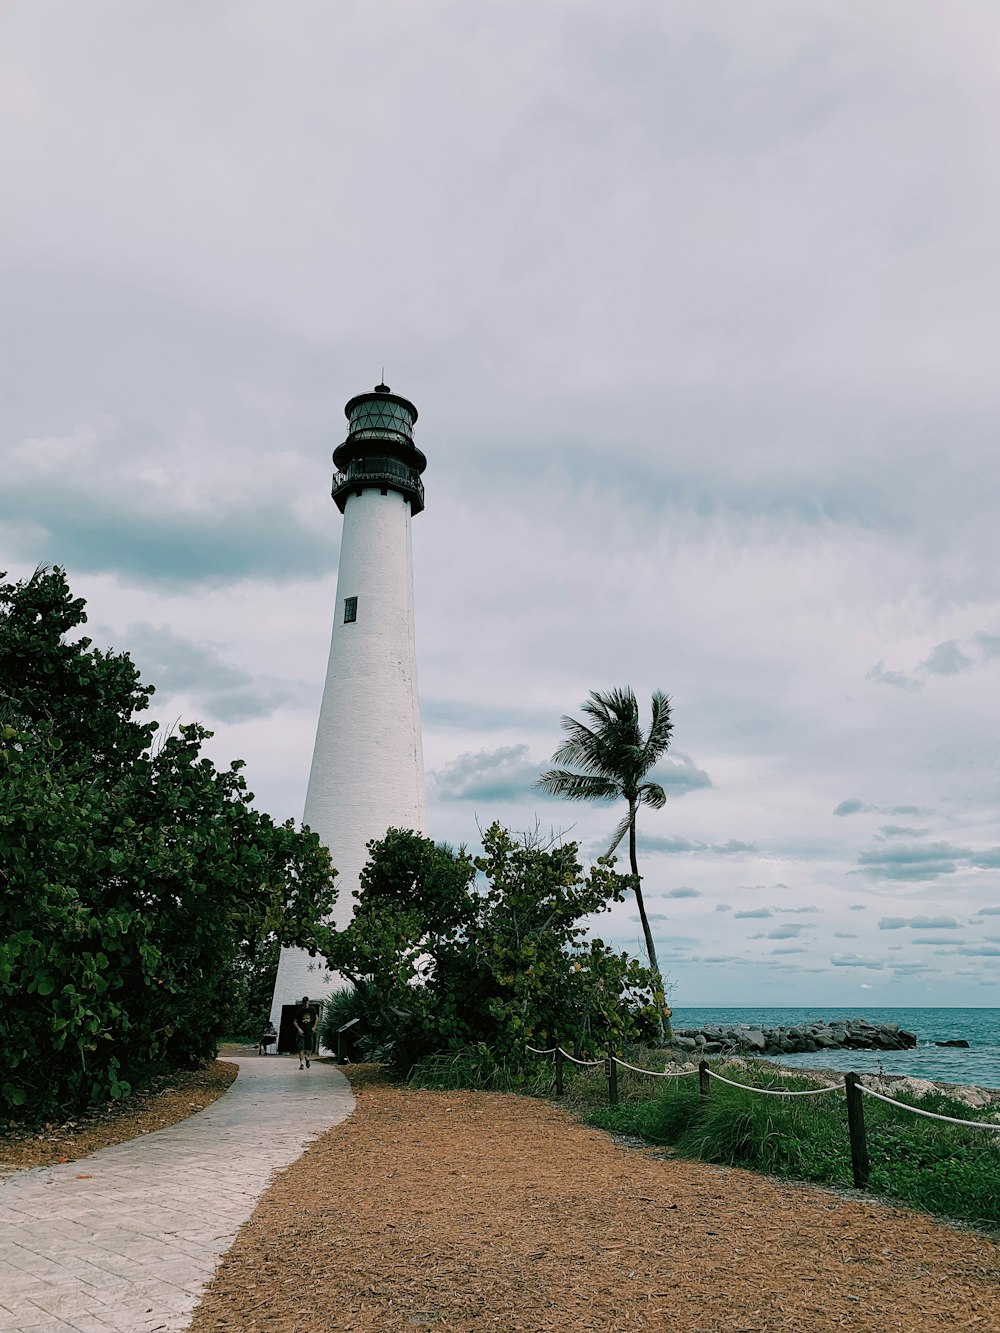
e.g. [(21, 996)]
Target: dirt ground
[(484, 1213), (116, 1122)]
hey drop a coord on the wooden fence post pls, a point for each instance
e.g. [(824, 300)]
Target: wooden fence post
[(611, 1073), (559, 1071), (856, 1129), (704, 1082)]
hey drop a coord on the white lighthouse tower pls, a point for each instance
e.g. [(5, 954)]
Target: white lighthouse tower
[(367, 771)]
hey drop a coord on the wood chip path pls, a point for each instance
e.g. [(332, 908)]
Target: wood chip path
[(484, 1213)]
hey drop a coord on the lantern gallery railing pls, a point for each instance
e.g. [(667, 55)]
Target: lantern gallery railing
[(381, 472)]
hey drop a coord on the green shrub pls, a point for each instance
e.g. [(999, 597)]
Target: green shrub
[(494, 950), (369, 1040), (477, 1068)]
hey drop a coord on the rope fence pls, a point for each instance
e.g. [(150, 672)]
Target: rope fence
[(776, 1092), (854, 1090), (584, 1064), (656, 1073), (931, 1115)]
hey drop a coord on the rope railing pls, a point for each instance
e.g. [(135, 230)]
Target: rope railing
[(854, 1090), (585, 1064), (558, 1058), (558, 1050), (655, 1073), (931, 1115), (777, 1092)]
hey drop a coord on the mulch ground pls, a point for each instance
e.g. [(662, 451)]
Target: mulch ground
[(484, 1213), (172, 1099)]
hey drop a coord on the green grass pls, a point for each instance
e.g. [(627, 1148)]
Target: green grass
[(942, 1169)]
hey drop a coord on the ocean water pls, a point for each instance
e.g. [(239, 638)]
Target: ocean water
[(979, 1065)]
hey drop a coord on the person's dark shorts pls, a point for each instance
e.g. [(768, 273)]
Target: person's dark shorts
[(304, 1043)]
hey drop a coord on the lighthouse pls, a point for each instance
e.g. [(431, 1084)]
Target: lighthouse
[(367, 772)]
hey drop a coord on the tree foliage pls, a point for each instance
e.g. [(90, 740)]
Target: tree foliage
[(254, 971), (493, 949), (615, 756), (130, 876)]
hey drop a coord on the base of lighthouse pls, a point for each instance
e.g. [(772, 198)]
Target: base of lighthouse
[(367, 772)]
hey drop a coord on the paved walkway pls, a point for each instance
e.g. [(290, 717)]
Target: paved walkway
[(127, 1239)]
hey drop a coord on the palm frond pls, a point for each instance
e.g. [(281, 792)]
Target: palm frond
[(620, 701), (616, 712), (584, 748), (612, 744), (620, 832), (661, 727), (653, 795), (578, 786)]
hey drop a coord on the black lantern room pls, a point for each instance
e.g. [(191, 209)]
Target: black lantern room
[(379, 449)]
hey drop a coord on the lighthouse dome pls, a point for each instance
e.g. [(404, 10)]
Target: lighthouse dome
[(381, 415)]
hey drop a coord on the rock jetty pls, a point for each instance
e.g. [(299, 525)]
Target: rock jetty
[(851, 1034)]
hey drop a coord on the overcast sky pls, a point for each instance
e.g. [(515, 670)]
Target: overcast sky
[(700, 306)]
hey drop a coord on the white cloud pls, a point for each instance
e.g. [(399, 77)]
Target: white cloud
[(855, 960), (899, 679), (502, 776), (918, 923)]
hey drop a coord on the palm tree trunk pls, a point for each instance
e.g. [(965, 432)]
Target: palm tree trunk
[(654, 966)]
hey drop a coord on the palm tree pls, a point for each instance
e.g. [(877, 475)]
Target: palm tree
[(615, 757)]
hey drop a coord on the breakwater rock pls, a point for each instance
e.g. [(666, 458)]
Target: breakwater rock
[(854, 1034)]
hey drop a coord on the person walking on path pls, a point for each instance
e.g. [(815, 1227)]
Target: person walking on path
[(305, 1028)]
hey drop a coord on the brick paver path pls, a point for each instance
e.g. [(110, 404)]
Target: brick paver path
[(126, 1240)]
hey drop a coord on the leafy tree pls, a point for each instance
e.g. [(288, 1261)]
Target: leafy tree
[(615, 756), (89, 697), (492, 949), (130, 877), (254, 970)]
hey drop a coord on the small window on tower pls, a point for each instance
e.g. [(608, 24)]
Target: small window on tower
[(350, 610)]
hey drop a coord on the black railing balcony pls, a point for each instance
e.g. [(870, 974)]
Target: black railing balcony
[(362, 472)]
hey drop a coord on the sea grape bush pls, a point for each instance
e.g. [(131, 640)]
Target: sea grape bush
[(452, 951), (132, 875)]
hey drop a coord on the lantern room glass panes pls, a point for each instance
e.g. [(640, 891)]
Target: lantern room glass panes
[(376, 419)]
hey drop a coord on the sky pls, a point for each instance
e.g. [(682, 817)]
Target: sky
[(700, 307)]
